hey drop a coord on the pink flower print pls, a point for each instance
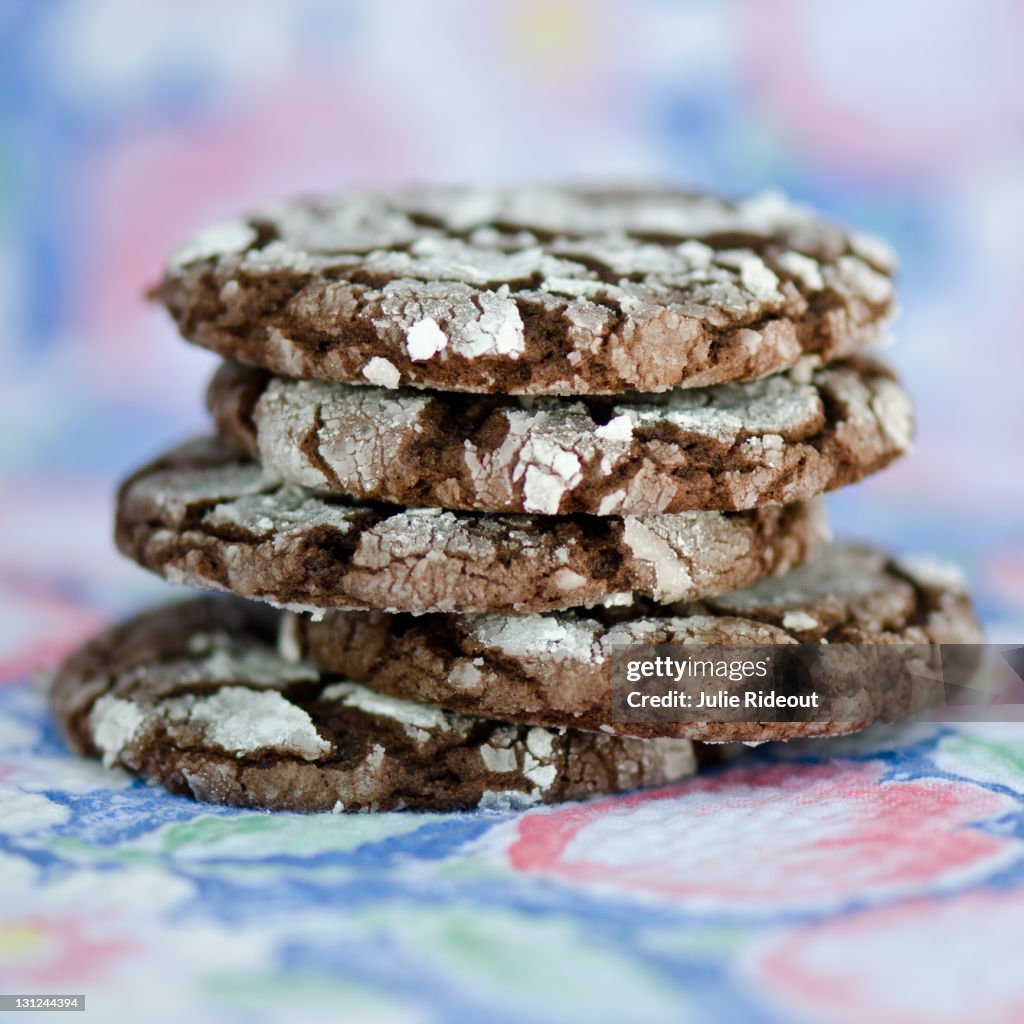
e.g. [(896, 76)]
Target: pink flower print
[(922, 962), (43, 625), (55, 953), (762, 839), (877, 87)]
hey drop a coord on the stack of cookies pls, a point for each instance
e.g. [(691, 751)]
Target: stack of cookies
[(468, 442)]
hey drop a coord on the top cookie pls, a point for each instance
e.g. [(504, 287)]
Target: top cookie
[(530, 290)]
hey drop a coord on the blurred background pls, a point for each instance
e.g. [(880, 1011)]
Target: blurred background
[(126, 126), (881, 880)]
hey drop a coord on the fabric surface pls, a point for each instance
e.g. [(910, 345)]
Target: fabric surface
[(874, 878)]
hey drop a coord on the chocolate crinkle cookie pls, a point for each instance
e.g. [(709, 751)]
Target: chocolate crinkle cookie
[(195, 697), (778, 440), (206, 517), (557, 669), (530, 290)]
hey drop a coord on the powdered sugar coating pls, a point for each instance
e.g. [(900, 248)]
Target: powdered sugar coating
[(213, 660), (420, 716), (564, 291), (475, 324), (241, 721), (278, 515), (668, 550), (931, 572), (357, 442), (848, 573), (114, 724), (233, 236), (565, 639)]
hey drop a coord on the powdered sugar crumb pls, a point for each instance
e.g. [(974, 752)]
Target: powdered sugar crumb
[(233, 236), (425, 339), (382, 372), (799, 621), (507, 800)]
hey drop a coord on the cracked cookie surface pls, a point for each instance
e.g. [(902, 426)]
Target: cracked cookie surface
[(530, 290), (205, 517), (557, 669), (777, 440), (196, 697)]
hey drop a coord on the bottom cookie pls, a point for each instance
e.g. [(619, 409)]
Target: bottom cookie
[(196, 697)]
